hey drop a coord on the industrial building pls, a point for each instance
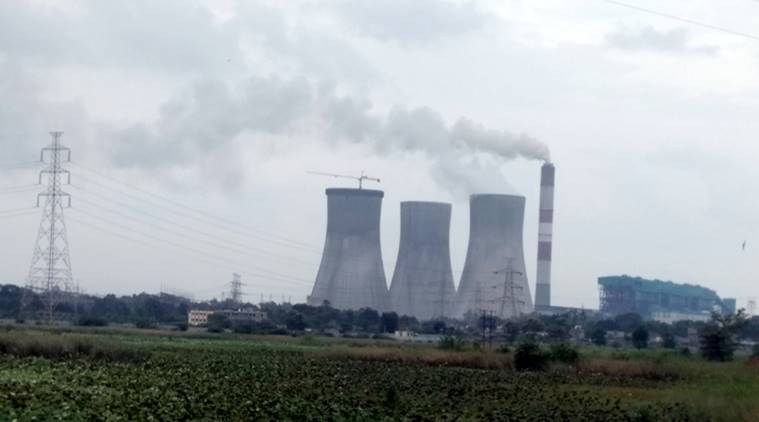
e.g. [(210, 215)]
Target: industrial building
[(422, 284), (351, 274), (659, 300), (199, 317), (494, 278)]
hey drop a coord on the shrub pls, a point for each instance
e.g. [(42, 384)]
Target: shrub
[(564, 353), (755, 351), (668, 341), (217, 323), (529, 356), (504, 348), (685, 351), (182, 326), (451, 343), (50, 346), (640, 337), (91, 322), (144, 323), (598, 336), (242, 327)]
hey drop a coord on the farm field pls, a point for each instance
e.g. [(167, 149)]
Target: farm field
[(133, 376)]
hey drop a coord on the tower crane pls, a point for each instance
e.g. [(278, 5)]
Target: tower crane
[(360, 178)]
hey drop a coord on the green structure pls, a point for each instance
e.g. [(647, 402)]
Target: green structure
[(656, 299)]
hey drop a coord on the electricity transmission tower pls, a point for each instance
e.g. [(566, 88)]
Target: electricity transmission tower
[(235, 291), (509, 296), (50, 271)]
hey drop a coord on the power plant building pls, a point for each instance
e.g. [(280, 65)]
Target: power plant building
[(659, 300), (351, 274), (494, 277), (422, 284)]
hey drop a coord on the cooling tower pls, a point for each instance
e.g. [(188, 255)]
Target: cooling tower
[(545, 235), (422, 283), (494, 272), (351, 275)]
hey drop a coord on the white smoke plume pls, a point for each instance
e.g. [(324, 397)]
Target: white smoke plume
[(210, 115)]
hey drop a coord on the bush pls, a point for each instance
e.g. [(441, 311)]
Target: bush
[(217, 323), (640, 337), (755, 351), (182, 326), (598, 336), (50, 346), (451, 343), (91, 322), (242, 327), (504, 348), (668, 341), (529, 356), (145, 324), (564, 353)]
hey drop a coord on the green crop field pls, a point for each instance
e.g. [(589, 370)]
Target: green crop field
[(53, 375)]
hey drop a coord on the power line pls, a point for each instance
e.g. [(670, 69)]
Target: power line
[(242, 248), (18, 214), (14, 166), (273, 275), (684, 20), (207, 216), (157, 242)]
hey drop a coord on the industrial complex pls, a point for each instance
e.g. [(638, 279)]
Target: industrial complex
[(494, 279), (659, 300)]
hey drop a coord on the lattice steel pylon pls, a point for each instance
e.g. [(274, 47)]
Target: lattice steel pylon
[(50, 273)]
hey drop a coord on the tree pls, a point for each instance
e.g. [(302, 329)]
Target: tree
[(718, 336), (295, 321), (598, 336), (368, 320), (390, 322), (640, 337), (628, 322), (217, 323), (668, 340), (511, 331)]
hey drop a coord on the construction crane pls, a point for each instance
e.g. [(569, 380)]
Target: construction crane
[(360, 178)]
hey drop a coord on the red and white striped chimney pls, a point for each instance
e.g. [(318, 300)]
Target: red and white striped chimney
[(545, 235)]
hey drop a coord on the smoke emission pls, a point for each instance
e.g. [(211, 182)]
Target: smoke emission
[(465, 156)]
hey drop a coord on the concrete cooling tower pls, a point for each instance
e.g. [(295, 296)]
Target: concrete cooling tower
[(494, 272), (351, 275), (422, 283)]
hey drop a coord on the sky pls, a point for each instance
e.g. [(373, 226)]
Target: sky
[(193, 126)]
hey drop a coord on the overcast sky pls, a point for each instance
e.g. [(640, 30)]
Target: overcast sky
[(213, 112)]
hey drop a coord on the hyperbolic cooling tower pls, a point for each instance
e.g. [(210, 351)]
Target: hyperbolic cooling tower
[(494, 272), (423, 280), (545, 236), (351, 275)]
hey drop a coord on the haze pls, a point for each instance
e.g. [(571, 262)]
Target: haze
[(222, 108)]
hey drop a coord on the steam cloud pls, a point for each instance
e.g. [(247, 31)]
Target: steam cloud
[(465, 156)]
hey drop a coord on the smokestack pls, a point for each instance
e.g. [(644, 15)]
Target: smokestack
[(494, 276), (545, 235), (423, 280), (351, 275)]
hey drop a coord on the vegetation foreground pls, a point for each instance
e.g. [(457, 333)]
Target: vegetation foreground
[(113, 375)]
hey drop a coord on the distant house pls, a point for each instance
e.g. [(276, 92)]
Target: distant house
[(199, 318)]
